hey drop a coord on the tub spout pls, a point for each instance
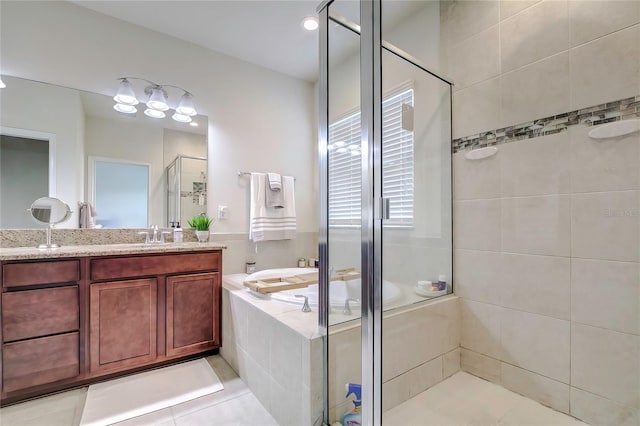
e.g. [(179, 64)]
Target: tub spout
[(305, 305), (347, 307)]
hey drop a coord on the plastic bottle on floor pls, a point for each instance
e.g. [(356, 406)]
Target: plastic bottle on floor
[(353, 417)]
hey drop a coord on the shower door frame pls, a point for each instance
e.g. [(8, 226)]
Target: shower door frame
[(373, 205), (177, 162)]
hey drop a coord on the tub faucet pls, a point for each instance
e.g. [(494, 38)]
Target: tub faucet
[(305, 305), (347, 307)]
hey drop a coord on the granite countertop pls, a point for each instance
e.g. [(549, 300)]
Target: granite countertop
[(26, 253)]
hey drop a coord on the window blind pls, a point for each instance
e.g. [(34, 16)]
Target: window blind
[(397, 166)]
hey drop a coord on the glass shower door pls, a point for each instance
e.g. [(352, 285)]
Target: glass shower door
[(385, 217), (416, 227), (343, 166)]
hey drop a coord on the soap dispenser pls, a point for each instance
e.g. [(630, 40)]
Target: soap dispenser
[(177, 233)]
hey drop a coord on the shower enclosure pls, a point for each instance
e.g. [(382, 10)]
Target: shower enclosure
[(186, 189), (386, 211)]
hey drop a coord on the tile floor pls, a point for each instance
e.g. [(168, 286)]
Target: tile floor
[(462, 399), (234, 405)]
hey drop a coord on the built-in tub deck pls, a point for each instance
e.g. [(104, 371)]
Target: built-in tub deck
[(277, 350)]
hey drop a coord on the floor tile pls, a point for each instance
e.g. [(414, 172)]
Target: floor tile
[(244, 410), (162, 417), (484, 404), (59, 409)]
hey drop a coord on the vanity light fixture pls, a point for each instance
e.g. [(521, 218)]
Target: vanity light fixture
[(157, 102), (181, 118), (125, 109), (154, 113), (310, 23)]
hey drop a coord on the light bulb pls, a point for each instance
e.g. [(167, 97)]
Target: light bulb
[(181, 118), (186, 105), (125, 109), (125, 94), (154, 113), (310, 23), (157, 99)]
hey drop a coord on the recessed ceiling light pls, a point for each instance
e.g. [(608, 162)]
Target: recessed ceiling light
[(310, 23)]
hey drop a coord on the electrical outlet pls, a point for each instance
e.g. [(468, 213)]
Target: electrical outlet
[(223, 212)]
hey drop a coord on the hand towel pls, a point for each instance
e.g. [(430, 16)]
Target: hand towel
[(271, 224), (87, 214), (275, 181), (274, 196)]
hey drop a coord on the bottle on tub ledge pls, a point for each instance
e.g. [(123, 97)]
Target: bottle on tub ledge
[(442, 282)]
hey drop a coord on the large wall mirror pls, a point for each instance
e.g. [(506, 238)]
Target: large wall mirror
[(134, 170)]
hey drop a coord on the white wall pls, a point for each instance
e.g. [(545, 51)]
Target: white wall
[(57, 110), (259, 120), (176, 142)]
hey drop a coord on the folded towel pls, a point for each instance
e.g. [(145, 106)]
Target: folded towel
[(87, 214), (271, 224), (274, 199), (275, 182), (274, 195)]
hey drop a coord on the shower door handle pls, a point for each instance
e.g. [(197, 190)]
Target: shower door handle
[(383, 209)]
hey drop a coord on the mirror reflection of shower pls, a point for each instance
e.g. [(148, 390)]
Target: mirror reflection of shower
[(186, 189)]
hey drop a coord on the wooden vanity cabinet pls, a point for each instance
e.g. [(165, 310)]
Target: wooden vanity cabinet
[(123, 324), (73, 321), (193, 310), (41, 324)]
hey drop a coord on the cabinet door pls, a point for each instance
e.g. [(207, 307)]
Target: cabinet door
[(193, 313), (123, 324)]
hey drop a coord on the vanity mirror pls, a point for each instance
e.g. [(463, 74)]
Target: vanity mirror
[(49, 211), (72, 144)]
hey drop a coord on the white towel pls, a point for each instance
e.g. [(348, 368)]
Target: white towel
[(275, 182), (87, 214), (275, 197), (271, 224)]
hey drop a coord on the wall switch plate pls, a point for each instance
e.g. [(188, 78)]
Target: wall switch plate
[(223, 212)]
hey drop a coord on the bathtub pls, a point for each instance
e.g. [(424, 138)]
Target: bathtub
[(339, 291)]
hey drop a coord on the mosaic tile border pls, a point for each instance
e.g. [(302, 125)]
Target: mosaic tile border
[(599, 114)]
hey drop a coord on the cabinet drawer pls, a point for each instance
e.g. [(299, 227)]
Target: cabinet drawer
[(128, 267), (38, 361), (34, 313), (30, 273)]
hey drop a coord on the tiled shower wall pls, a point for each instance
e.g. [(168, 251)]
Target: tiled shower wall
[(547, 232)]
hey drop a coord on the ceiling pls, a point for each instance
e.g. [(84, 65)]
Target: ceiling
[(268, 33)]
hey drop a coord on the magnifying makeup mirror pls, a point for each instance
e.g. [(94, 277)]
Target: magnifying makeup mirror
[(50, 211)]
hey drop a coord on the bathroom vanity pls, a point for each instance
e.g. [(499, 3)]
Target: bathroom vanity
[(81, 314)]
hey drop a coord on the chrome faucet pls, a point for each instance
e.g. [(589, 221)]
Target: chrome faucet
[(158, 236), (305, 305)]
